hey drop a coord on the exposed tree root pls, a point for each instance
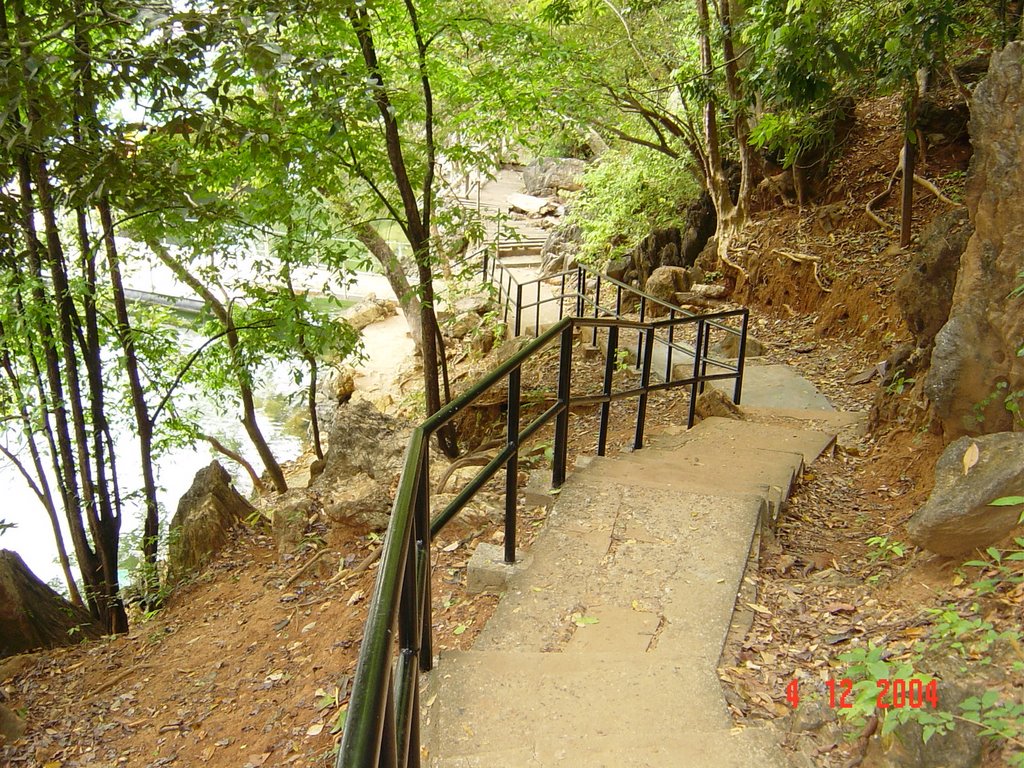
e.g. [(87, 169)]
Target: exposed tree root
[(238, 459), (479, 458), (869, 209), (806, 258), (304, 569)]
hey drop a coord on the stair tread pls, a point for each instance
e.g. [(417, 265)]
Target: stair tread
[(695, 749), (564, 701), (680, 555), (739, 433)]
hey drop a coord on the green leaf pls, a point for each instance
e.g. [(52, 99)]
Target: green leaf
[(1007, 501), (339, 722), (583, 621)]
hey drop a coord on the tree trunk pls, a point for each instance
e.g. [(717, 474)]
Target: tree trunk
[(416, 224), (40, 483), (249, 421), (907, 196), (407, 295), (144, 424), (34, 616)]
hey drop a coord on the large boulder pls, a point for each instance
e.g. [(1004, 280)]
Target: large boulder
[(975, 354), (663, 284), (12, 727), (333, 388), (551, 175), (34, 616), (969, 475), (369, 311), (559, 251), (203, 523), (960, 747), (925, 290), (365, 458)]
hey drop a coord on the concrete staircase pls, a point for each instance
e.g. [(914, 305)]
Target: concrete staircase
[(603, 650)]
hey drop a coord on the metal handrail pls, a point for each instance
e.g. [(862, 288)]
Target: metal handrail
[(382, 726)]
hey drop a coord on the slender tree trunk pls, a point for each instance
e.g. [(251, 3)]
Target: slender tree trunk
[(908, 157), (394, 271), (41, 483), (314, 419), (417, 214), (249, 420), (144, 424)]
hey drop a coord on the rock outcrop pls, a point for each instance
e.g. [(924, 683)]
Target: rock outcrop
[(559, 251), (34, 616), (975, 358), (663, 284), (925, 290), (969, 475), (335, 387), (363, 462), (203, 522), (551, 175), (370, 310)]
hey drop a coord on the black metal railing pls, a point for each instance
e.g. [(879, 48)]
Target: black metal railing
[(519, 298), (382, 727), (579, 293)]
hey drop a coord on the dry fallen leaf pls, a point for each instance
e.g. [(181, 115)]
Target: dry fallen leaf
[(315, 729), (971, 456)]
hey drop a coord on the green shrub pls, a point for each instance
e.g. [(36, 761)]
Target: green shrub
[(625, 195)]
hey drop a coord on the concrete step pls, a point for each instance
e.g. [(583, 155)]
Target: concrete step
[(701, 468), (522, 260), (675, 749), (674, 557), (777, 386), (736, 433), (568, 703), (848, 426)]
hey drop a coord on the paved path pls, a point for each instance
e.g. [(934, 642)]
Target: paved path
[(604, 648), (520, 258)]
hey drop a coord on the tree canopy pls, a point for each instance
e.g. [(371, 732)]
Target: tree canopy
[(228, 139)]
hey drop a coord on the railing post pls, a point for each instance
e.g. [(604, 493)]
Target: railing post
[(704, 357), (562, 420), (519, 308), (609, 372), (645, 382), (561, 298), (422, 529), (536, 324), (695, 387), (597, 306), (581, 289), (640, 334), (668, 349), (388, 757), (742, 356), (512, 465)]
